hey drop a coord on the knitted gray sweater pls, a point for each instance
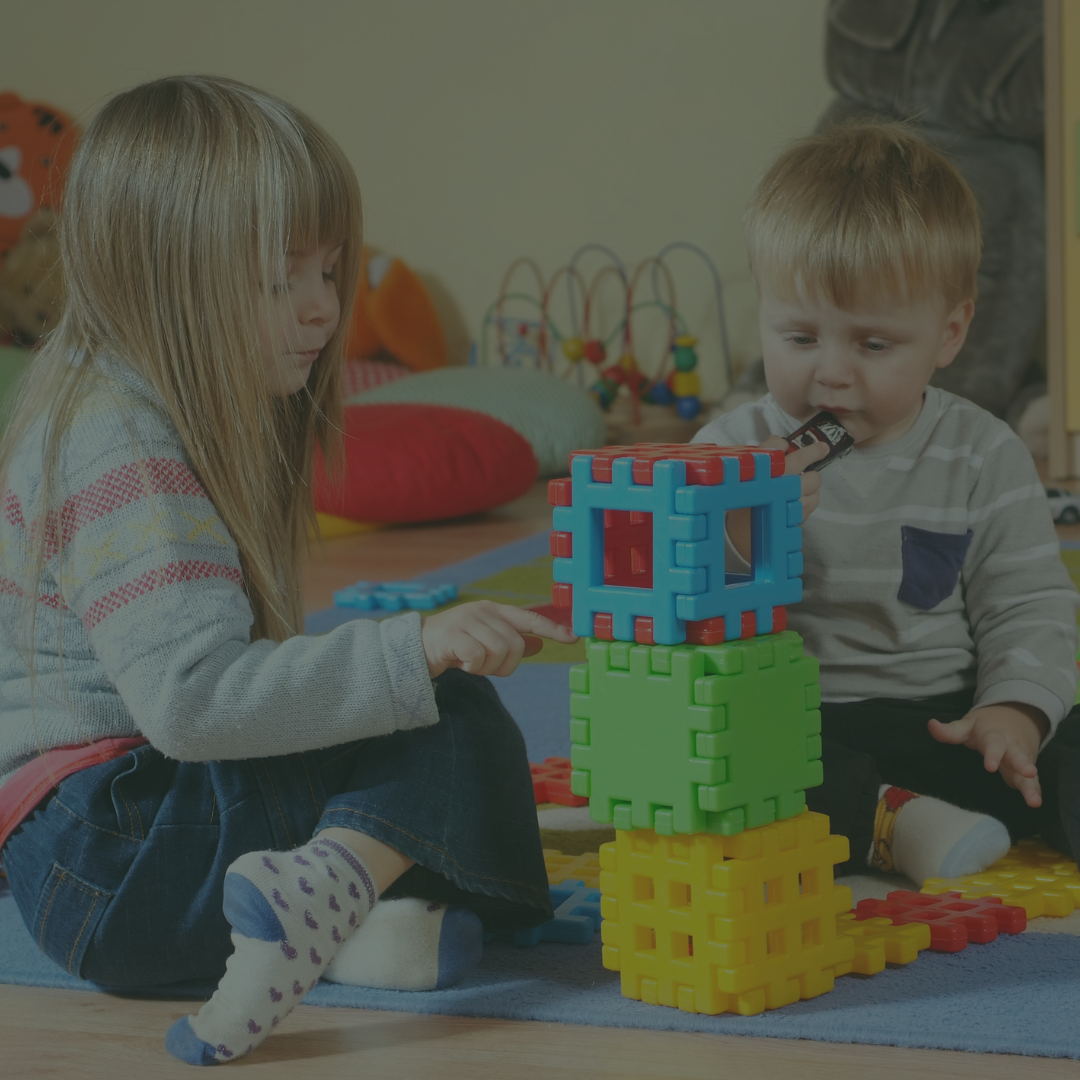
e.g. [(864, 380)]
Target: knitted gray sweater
[(149, 632), (931, 563)]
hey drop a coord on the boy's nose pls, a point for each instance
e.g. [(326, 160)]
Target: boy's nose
[(834, 370)]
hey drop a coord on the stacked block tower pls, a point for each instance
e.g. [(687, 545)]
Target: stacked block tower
[(695, 727)]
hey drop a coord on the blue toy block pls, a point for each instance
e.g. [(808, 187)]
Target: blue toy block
[(577, 916), (688, 582), (394, 595)]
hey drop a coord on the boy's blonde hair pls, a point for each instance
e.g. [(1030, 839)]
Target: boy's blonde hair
[(864, 210), (182, 200)]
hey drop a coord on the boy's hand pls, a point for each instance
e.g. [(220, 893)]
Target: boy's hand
[(738, 521), (1008, 737), (483, 638)]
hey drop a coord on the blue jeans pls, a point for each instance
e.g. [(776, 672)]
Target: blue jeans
[(118, 875)]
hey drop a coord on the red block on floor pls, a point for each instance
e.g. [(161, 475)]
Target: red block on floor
[(953, 921), (551, 782)]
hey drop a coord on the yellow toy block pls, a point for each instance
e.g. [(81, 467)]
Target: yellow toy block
[(713, 924), (878, 942), (584, 868), (1032, 875)]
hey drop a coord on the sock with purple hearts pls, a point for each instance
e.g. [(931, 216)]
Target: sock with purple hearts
[(290, 912)]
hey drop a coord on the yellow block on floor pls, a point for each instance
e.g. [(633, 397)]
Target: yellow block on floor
[(1033, 876), (713, 924), (562, 867), (878, 942)]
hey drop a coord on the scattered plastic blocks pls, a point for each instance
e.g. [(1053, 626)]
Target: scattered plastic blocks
[(584, 868), (394, 595), (953, 921), (1032, 875), (577, 916), (878, 941), (713, 924), (639, 544), (695, 738), (551, 782)]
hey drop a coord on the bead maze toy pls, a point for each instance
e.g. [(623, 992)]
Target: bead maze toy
[(531, 335)]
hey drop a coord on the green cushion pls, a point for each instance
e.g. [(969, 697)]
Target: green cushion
[(553, 416)]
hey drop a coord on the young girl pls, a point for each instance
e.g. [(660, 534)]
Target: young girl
[(178, 763)]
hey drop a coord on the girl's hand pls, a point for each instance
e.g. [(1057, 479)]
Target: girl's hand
[(738, 521), (483, 638), (1008, 737)]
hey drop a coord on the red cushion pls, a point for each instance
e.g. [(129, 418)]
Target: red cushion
[(424, 462)]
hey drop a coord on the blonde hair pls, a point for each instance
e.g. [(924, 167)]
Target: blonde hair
[(863, 210), (182, 200)]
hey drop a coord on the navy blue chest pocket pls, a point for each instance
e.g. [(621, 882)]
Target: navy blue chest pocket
[(932, 562)]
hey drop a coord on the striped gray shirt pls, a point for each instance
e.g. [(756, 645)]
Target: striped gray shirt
[(931, 563)]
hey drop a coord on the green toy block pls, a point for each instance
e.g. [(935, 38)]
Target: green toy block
[(695, 738)]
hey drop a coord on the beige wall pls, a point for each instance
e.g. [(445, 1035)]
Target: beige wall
[(483, 130)]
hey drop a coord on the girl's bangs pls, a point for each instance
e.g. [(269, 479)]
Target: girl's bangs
[(324, 205)]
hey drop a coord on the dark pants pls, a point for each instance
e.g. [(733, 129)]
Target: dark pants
[(119, 874), (885, 740)]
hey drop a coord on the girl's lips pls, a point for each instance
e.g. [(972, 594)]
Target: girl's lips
[(310, 356)]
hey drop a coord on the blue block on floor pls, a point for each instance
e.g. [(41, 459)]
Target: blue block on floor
[(577, 916), (394, 595)]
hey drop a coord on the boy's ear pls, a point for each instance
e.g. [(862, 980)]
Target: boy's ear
[(956, 328)]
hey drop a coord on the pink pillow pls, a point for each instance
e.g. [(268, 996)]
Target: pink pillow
[(408, 462)]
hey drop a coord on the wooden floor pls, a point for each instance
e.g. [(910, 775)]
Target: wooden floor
[(73, 1035)]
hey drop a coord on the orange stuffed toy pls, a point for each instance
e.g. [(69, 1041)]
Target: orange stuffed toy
[(394, 314), (36, 143)]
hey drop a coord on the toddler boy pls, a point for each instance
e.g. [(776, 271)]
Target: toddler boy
[(934, 594)]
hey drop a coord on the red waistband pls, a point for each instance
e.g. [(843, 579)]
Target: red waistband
[(38, 777)]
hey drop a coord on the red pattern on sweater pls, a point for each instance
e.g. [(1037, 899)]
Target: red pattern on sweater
[(189, 570), (127, 484)]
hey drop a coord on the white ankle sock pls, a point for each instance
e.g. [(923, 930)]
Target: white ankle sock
[(932, 838), (290, 911), (410, 944)]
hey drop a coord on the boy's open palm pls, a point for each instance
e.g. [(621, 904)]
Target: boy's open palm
[(483, 638), (1008, 737)]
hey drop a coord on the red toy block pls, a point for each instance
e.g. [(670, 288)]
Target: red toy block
[(628, 554), (602, 626), (643, 634), (561, 492), (562, 616), (561, 545), (562, 595), (704, 462), (711, 631), (953, 921), (551, 782)]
